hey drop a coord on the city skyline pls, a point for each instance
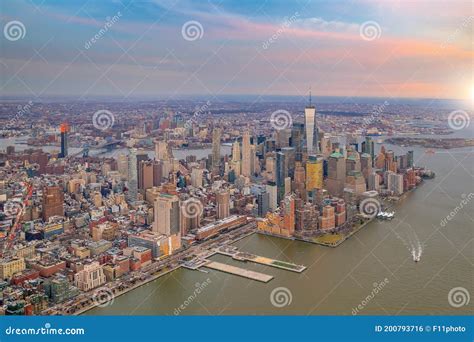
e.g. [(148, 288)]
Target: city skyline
[(165, 48), (255, 167)]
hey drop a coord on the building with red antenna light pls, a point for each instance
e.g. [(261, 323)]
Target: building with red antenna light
[(64, 129)]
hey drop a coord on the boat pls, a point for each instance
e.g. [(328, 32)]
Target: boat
[(386, 215), (416, 258)]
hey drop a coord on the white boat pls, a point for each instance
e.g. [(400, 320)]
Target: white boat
[(386, 215)]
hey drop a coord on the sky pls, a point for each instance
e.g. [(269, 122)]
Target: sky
[(173, 48)]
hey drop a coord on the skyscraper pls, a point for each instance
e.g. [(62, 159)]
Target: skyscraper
[(311, 129), (366, 165), (167, 213), (223, 204), (162, 150), (145, 178), (216, 147), (368, 147), (64, 129), (297, 135), (132, 176), (289, 153), (410, 160), (336, 174), (122, 165), (196, 177), (246, 155), (281, 174), (272, 190), (53, 201), (236, 151), (314, 173), (263, 200)]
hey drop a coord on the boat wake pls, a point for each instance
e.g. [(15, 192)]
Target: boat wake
[(413, 244)]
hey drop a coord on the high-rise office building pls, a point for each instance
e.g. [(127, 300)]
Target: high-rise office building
[(163, 150), (53, 202), (216, 147), (223, 204), (296, 141), (410, 161), (366, 165), (122, 165), (311, 129), (299, 184), (395, 183), (281, 174), (157, 172), (336, 174), (374, 181), (263, 201), (132, 175), (289, 153), (64, 129), (314, 173), (246, 155), (167, 215), (145, 178), (353, 162), (272, 190), (196, 177), (283, 137), (236, 151), (369, 148)]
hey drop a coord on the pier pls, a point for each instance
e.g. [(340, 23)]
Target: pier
[(265, 278), (233, 252)]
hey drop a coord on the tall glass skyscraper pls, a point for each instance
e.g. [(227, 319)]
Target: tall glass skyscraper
[(311, 130), (132, 175)]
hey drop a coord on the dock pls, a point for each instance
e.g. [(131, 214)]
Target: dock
[(233, 252), (265, 278)]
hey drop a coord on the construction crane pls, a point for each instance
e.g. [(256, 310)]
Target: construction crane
[(19, 216)]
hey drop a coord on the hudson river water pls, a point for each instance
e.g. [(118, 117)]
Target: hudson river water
[(339, 279)]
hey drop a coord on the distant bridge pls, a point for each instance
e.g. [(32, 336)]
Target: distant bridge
[(85, 148)]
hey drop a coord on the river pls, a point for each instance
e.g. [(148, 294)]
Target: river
[(338, 280)]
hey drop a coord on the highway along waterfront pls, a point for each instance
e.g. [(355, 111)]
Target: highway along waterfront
[(337, 280)]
